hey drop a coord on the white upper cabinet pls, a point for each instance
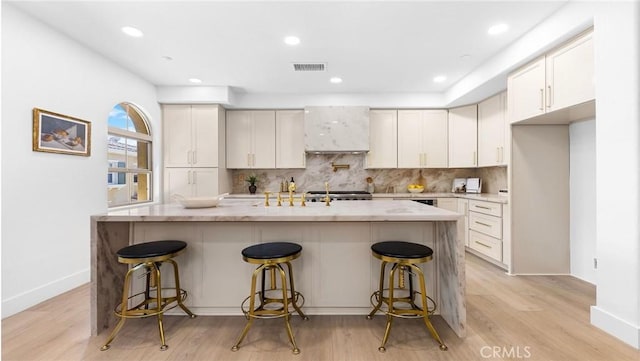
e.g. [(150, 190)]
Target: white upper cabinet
[(251, 138), (383, 139), (493, 130), (290, 139), (561, 79), (570, 72), (422, 138), (191, 135), (463, 137)]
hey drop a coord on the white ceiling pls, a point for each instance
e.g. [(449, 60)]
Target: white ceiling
[(374, 46)]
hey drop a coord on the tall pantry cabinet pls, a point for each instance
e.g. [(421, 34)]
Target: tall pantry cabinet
[(194, 151)]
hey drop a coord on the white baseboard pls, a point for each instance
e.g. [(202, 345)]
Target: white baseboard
[(616, 326), (21, 302)]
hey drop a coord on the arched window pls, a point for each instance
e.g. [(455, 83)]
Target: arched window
[(129, 145)]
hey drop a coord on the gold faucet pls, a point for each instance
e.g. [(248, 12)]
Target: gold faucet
[(266, 199), (303, 200), (279, 199), (290, 197)]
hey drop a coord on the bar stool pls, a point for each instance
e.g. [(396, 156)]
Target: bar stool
[(270, 257), (149, 256), (404, 256)]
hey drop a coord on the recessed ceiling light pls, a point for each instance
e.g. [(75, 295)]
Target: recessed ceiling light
[(131, 31), (336, 80), (439, 79), (498, 29), (167, 57), (292, 40), (195, 80)]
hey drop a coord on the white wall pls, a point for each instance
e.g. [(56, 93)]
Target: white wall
[(47, 198), (582, 186), (617, 55)]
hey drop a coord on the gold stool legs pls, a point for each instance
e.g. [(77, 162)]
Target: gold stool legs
[(142, 309), (423, 312), (260, 312)]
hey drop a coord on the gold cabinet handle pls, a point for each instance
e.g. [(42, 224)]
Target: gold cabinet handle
[(482, 244), (541, 100), (483, 224), (482, 207), (194, 157), (248, 159), (474, 158), (549, 98)]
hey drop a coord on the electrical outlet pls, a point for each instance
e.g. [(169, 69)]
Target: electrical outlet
[(595, 263)]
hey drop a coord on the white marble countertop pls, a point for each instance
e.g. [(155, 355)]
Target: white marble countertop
[(489, 197), (250, 210)]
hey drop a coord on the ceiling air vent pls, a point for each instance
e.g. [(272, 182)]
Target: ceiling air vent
[(309, 66)]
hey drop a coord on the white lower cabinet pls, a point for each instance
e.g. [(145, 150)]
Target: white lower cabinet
[(486, 229), (486, 245), (190, 182)]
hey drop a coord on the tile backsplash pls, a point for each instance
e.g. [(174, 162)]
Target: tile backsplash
[(319, 171)]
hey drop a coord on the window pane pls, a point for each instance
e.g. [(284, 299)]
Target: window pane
[(141, 191), (118, 117), (132, 153), (144, 160), (118, 189)]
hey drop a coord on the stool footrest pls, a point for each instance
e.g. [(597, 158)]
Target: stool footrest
[(142, 309), (262, 312), (414, 312)]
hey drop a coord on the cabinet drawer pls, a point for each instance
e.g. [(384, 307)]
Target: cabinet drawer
[(486, 245), (493, 209), (489, 225)]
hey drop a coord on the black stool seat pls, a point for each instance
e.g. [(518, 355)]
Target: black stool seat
[(151, 249), (271, 250), (401, 249)]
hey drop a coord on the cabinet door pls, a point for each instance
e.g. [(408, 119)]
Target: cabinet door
[(204, 182), (383, 139), (491, 131), (263, 139), (434, 138), (410, 125), (238, 139), (204, 120), (570, 74), (290, 139), (177, 181), (463, 137), (526, 91), (177, 135)]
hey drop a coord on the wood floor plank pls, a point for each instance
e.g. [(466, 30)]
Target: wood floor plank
[(509, 317)]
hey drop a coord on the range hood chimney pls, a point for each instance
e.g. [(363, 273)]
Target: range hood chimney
[(336, 129)]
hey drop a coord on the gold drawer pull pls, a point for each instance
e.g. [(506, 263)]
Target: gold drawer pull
[(482, 244), (483, 224), (483, 207)]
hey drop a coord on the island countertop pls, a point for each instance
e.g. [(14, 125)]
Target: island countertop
[(252, 210)]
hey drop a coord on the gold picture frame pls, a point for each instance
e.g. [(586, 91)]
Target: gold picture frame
[(58, 133)]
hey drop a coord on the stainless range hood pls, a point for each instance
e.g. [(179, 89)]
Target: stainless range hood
[(336, 129)]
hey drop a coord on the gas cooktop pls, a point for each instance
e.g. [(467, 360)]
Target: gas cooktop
[(315, 196)]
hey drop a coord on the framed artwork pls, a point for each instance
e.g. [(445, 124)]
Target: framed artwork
[(57, 133)]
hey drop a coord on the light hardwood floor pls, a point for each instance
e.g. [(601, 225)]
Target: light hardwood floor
[(516, 318)]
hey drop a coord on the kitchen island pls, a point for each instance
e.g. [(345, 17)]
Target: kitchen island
[(336, 272)]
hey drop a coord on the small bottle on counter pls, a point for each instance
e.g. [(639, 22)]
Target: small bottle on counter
[(292, 185)]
